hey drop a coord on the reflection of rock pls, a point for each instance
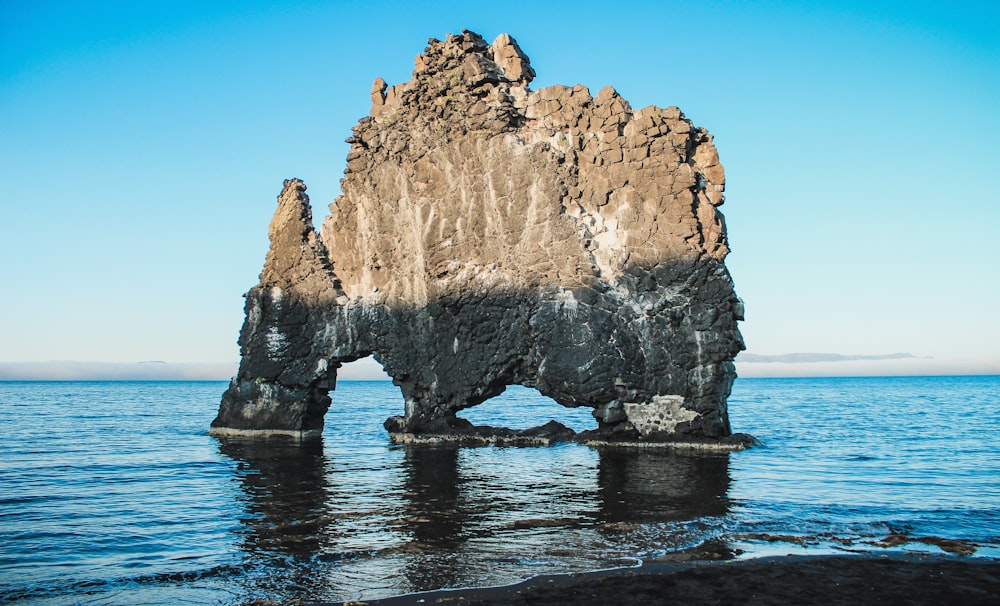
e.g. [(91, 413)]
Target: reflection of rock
[(648, 486), (435, 517), (287, 496), (491, 235)]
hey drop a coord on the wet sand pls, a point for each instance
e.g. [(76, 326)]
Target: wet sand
[(830, 579)]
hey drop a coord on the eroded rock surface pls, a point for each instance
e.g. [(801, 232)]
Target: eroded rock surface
[(488, 235)]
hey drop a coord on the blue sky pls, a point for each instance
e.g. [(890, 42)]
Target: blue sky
[(142, 145)]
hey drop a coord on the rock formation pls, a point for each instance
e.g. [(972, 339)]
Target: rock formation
[(489, 235)]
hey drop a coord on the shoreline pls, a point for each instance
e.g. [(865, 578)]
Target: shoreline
[(895, 577)]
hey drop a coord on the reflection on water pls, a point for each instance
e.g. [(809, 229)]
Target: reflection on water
[(651, 486), (286, 491), (286, 522), (413, 518), (434, 518)]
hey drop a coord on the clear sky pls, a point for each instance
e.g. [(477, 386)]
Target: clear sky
[(142, 145)]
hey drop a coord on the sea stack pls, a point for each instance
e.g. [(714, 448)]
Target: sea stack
[(488, 235)]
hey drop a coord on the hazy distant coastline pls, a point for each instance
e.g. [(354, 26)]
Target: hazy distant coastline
[(751, 365), (748, 365), (60, 370), (796, 358), (115, 371)]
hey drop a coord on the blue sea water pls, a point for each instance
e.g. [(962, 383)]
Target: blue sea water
[(115, 493)]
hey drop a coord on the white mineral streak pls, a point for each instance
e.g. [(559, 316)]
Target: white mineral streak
[(276, 342)]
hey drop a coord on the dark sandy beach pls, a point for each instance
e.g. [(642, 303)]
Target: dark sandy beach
[(847, 579)]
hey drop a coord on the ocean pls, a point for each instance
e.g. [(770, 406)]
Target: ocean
[(114, 493)]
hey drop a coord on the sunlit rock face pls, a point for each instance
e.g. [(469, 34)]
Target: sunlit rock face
[(488, 235)]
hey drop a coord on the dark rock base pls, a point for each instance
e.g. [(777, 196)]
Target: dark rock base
[(554, 433)]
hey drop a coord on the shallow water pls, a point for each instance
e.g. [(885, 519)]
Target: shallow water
[(114, 492)]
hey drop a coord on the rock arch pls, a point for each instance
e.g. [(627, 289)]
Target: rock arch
[(491, 235)]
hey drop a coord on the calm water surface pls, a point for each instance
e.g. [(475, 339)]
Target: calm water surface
[(114, 492)]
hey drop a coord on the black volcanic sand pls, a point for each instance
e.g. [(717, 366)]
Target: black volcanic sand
[(829, 579)]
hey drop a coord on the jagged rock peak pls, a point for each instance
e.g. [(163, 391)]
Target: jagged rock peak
[(489, 235), (459, 65)]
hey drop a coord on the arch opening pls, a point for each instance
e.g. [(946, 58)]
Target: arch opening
[(362, 369), (363, 395), (522, 408)]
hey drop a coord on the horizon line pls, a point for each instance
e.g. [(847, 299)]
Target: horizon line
[(367, 369)]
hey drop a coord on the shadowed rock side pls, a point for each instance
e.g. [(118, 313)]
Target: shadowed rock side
[(490, 235)]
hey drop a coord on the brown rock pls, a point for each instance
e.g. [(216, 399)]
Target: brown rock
[(489, 235)]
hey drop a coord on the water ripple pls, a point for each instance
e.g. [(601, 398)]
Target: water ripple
[(114, 492)]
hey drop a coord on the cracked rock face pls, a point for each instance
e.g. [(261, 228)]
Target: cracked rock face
[(489, 235)]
